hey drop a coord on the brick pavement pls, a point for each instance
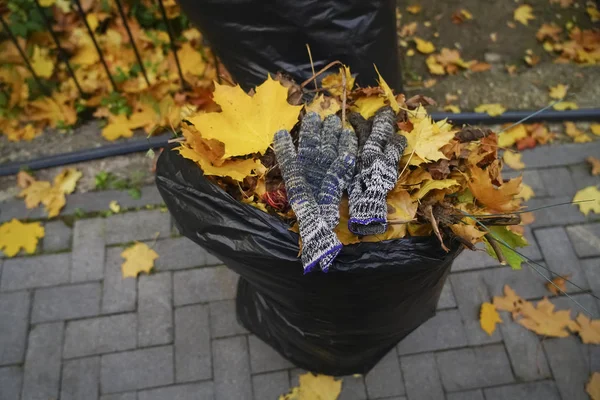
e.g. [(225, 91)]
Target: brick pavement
[(72, 328)]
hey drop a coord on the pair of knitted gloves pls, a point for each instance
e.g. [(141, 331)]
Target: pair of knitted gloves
[(331, 159)]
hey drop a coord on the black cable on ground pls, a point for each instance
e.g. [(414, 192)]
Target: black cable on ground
[(588, 114)]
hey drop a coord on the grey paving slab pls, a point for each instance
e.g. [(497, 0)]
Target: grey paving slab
[(385, 379), (476, 394), (57, 237), (193, 359), (80, 379), (421, 377), (120, 396), (591, 267), (446, 297), (479, 367), (560, 256), (526, 282), (204, 285), (556, 155), (11, 379), (570, 366), (533, 178), (14, 316), (585, 239), (99, 201), (36, 271), (263, 358), (544, 390), (444, 331), (16, 209), (271, 385), (88, 250), (295, 376), (231, 366), (155, 309), (469, 260), (178, 253), (100, 335), (586, 300), (581, 175), (66, 302), (190, 391), (353, 388), (137, 369), (557, 181), (42, 364), (118, 294), (554, 214), (137, 226), (223, 319)]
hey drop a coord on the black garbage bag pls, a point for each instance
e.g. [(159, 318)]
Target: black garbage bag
[(255, 37), (337, 323)]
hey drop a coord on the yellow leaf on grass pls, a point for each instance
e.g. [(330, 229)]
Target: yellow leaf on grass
[(117, 127), (236, 169), (588, 199), (510, 136), (565, 105), (424, 46), (246, 123), (589, 330), (426, 139), (433, 184), (388, 92), (323, 106), (502, 198), (493, 109), (66, 180), (595, 128), (523, 14), (559, 91), (593, 386), (513, 160), (526, 192), (138, 258), (314, 387), (488, 318), (16, 235), (41, 62), (190, 60), (368, 106), (595, 164), (54, 110), (333, 82)]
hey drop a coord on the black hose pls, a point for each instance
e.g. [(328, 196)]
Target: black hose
[(587, 114)]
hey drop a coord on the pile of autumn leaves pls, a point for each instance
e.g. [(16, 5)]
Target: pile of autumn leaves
[(456, 176), (24, 112)]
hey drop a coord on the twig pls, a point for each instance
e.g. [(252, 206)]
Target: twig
[(343, 98), (429, 213), (176, 140), (325, 68), (496, 248), (312, 65)]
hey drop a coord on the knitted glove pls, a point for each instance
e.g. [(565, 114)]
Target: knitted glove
[(315, 179), (377, 173)]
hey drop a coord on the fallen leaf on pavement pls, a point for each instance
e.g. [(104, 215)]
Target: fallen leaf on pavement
[(595, 129), (16, 235), (523, 14), (588, 199), (51, 196), (578, 136), (513, 160), (563, 3), (559, 91), (593, 386), (414, 9), (66, 180), (314, 387), (488, 318), (565, 105), (595, 164), (424, 46), (544, 321), (589, 330), (138, 258), (493, 109), (510, 136), (510, 302), (460, 16), (526, 192), (24, 179), (551, 31), (114, 206), (559, 281)]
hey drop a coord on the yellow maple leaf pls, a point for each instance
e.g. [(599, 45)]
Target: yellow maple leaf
[(543, 320), (117, 127), (333, 82), (426, 139), (434, 66), (526, 192), (452, 108), (86, 53), (314, 387), (513, 160), (41, 62), (488, 318), (247, 124), (389, 95), (595, 128), (559, 91), (509, 302), (493, 109), (236, 169), (16, 235), (35, 192), (368, 106), (428, 186), (502, 198), (595, 164), (588, 199), (589, 330), (323, 106), (54, 110), (66, 180), (523, 14), (54, 201), (510, 136), (424, 46), (593, 386), (138, 258), (190, 60), (565, 105), (401, 207)]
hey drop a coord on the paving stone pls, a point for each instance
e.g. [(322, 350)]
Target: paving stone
[(231, 368), (11, 379), (119, 293), (137, 226), (524, 351), (585, 299), (560, 257), (353, 388), (585, 239), (557, 155), (466, 395), (88, 250), (100, 335), (66, 302), (580, 174), (80, 379), (14, 320), (204, 285), (191, 391), (271, 385), (120, 396), (533, 178), (295, 376), (421, 377), (591, 267), (544, 390), (212, 260), (99, 201), (223, 319), (472, 368), (57, 236), (178, 253), (471, 291), (533, 250), (193, 360), (564, 214), (16, 209), (526, 282), (469, 260), (42, 363), (385, 379), (264, 358), (155, 310), (444, 331), (137, 369), (557, 181), (37, 271), (446, 297)]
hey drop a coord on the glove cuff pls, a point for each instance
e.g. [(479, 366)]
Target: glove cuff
[(320, 247), (368, 214)]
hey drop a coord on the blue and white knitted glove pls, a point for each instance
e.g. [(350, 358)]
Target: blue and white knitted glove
[(376, 175), (315, 179)]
